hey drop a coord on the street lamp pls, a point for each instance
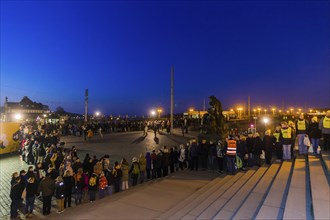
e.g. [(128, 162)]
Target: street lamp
[(291, 110), (153, 113), (97, 113), (273, 109), (259, 110), (159, 111), (239, 112), (18, 116), (265, 120), (265, 110), (254, 111)]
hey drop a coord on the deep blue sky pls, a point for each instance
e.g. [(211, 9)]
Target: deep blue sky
[(51, 51)]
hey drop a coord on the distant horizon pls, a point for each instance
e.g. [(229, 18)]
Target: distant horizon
[(53, 108)]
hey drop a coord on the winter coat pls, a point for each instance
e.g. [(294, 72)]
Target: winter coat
[(60, 190), (314, 131), (148, 161), (69, 183), (143, 164), (16, 190), (257, 145), (47, 186), (31, 190), (268, 143), (125, 169)]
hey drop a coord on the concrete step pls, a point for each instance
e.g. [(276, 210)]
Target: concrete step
[(251, 205), (296, 203), (191, 204), (221, 201), (319, 188), (180, 205), (230, 208), (201, 206), (273, 205)]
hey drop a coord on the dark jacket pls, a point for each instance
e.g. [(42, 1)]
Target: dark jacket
[(47, 186), (257, 145), (69, 183), (60, 190), (268, 143), (31, 189), (16, 190), (314, 131)]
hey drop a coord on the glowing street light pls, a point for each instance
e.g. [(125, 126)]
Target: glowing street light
[(265, 120), (153, 113), (159, 110), (291, 110), (18, 116), (273, 109), (254, 111), (265, 110), (97, 113), (259, 110), (239, 109)]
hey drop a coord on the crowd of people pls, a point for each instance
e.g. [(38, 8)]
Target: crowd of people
[(58, 172)]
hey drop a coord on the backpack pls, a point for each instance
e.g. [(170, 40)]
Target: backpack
[(92, 181)]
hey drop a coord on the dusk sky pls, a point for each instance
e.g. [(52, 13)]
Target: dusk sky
[(122, 51)]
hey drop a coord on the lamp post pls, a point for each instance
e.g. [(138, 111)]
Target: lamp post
[(255, 122), (259, 110), (273, 109)]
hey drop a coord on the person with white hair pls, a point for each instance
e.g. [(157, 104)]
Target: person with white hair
[(314, 134), (324, 125)]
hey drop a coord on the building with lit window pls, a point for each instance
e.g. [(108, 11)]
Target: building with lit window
[(25, 110)]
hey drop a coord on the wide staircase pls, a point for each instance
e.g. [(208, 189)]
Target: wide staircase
[(297, 189)]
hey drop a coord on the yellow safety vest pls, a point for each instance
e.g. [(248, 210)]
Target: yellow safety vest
[(301, 125), (326, 122), (277, 136), (286, 133), (231, 149)]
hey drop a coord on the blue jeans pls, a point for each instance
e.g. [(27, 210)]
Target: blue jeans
[(301, 146), (231, 164), (315, 144), (286, 151), (29, 205)]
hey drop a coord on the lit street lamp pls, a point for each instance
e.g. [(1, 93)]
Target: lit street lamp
[(265, 120), (239, 112), (259, 110), (159, 111), (153, 113), (273, 109)]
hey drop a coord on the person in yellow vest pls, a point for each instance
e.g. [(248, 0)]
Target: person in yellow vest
[(230, 149), (278, 145), (302, 127), (286, 140), (324, 125)]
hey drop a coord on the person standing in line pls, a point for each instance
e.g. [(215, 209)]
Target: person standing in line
[(324, 125), (314, 134), (302, 127), (134, 171), (124, 168), (194, 155), (220, 156), (60, 194), (286, 140), (47, 188), (278, 145), (268, 145), (31, 193), (230, 148), (257, 149), (16, 191), (69, 186), (118, 174), (143, 165)]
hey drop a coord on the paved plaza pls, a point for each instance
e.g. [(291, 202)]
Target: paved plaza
[(117, 145)]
